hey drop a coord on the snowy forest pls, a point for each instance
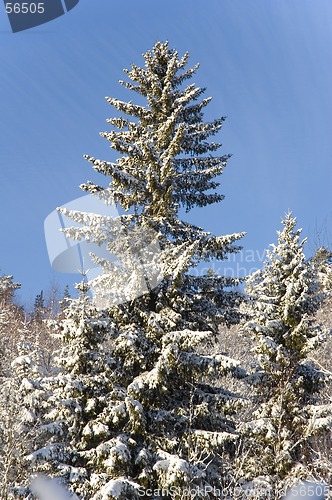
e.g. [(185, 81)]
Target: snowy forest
[(202, 386)]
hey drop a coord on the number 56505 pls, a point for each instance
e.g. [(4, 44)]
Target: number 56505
[(25, 8)]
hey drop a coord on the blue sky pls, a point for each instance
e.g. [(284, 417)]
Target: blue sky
[(266, 63)]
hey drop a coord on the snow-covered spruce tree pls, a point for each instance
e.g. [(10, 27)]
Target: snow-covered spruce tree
[(283, 298), (166, 427), (78, 394)]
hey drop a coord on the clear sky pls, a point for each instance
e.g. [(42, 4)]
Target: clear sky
[(266, 63)]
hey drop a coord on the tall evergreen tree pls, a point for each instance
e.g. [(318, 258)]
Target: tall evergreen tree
[(283, 299), (166, 425), (166, 163)]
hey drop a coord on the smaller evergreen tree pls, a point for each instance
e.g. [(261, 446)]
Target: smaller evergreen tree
[(66, 293), (65, 300), (283, 298), (39, 307)]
